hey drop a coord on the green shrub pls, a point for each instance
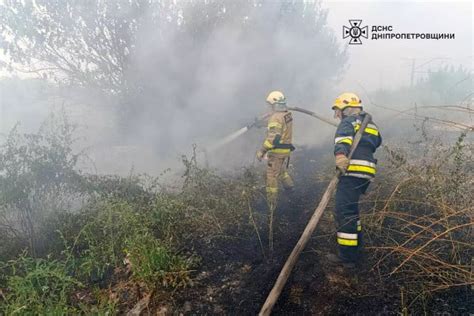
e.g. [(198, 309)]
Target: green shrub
[(98, 247), (38, 177), (153, 263), (209, 206), (134, 189), (37, 287)]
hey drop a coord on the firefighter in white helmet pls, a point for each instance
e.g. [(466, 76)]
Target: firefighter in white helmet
[(277, 147)]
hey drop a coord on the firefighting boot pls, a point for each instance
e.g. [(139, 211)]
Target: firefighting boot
[(293, 200), (287, 180), (337, 260)]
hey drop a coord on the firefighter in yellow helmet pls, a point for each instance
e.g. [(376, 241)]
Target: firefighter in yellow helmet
[(356, 175), (277, 147)]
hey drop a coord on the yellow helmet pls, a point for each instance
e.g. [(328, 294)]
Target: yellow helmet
[(347, 99), (276, 97)]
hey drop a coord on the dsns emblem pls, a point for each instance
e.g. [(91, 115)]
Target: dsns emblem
[(355, 32)]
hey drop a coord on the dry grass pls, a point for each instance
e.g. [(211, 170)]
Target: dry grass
[(420, 227)]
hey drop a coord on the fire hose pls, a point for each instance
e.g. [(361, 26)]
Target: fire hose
[(257, 121), (308, 231), (311, 226)]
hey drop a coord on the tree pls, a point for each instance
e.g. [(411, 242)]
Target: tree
[(450, 85), (80, 42), (163, 60)]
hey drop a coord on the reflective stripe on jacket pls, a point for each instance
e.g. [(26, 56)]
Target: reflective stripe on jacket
[(363, 163), (279, 134)]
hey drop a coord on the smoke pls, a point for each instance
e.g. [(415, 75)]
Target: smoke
[(192, 72), (210, 76)]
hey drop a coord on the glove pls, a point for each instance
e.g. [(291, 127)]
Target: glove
[(342, 162), (260, 155), (259, 122)]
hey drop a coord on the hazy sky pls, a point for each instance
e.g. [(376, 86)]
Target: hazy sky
[(382, 63), (372, 65), (387, 63)]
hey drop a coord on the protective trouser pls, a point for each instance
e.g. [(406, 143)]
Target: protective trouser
[(277, 170), (349, 229)]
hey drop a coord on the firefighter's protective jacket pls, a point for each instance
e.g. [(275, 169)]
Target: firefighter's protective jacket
[(279, 134), (362, 163)]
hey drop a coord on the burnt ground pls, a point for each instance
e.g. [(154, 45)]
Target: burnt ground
[(235, 278)]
